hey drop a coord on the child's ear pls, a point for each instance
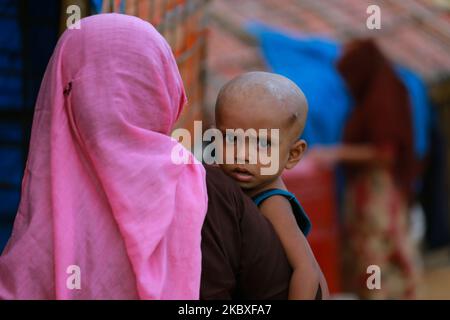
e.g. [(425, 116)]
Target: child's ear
[(296, 153)]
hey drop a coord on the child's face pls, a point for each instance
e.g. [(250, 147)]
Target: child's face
[(240, 114)]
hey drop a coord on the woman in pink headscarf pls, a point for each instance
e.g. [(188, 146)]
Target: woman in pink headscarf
[(105, 213)]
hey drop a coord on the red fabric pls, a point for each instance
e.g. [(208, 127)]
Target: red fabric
[(382, 114)]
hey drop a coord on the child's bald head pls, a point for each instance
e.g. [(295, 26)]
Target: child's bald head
[(264, 95), (263, 101)]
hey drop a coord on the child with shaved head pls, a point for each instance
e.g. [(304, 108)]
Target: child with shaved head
[(261, 100)]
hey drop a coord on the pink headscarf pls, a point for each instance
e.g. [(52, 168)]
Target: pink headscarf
[(100, 191)]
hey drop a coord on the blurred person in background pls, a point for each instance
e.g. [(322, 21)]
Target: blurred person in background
[(378, 156)]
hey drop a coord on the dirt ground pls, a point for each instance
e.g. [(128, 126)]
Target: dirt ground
[(436, 284)]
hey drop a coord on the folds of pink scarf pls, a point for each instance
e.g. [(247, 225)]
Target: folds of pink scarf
[(100, 191)]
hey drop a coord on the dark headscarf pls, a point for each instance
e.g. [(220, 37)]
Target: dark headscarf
[(382, 114)]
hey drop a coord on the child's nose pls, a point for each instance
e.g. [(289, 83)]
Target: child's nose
[(241, 159), (245, 154)]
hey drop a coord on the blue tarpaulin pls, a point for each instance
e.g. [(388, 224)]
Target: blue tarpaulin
[(309, 61)]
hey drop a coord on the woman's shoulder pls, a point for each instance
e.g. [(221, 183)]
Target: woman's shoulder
[(219, 183), (236, 234), (215, 175)]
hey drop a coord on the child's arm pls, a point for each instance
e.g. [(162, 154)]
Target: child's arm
[(325, 294), (306, 275)]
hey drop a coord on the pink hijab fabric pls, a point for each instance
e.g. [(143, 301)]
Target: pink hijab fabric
[(100, 190)]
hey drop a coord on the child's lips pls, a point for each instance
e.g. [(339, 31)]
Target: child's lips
[(241, 175)]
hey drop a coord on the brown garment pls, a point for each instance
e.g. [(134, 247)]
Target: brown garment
[(382, 113), (242, 255)]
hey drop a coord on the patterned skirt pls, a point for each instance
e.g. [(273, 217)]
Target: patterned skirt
[(376, 233)]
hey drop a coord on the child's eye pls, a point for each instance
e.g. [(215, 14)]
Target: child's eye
[(263, 143), (230, 138)]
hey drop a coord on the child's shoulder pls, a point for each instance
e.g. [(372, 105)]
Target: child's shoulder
[(283, 202)]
